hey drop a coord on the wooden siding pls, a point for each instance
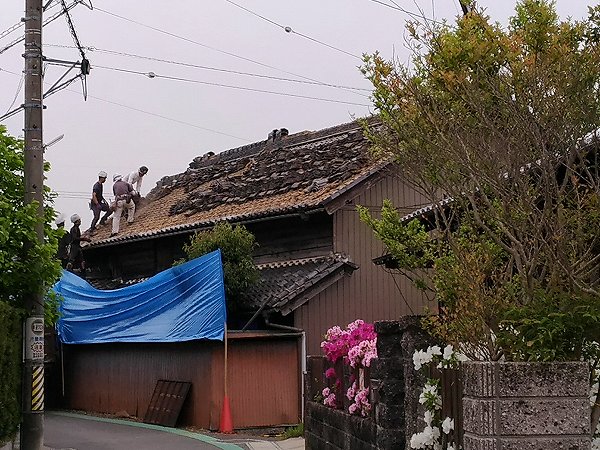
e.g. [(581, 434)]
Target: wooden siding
[(263, 378), (370, 293), (278, 239)]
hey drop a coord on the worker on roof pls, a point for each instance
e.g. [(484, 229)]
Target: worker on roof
[(63, 241), (123, 200), (76, 262), (135, 179), (99, 203)]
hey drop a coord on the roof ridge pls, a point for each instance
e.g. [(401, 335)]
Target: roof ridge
[(338, 257), (287, 141)]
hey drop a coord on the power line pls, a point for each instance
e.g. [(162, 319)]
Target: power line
[(230, 86), (405, 11), (191, 41), (288, 29), (20, 23), (46, 22), (16, 93), (72, 29), (216, 69), (151, 113)]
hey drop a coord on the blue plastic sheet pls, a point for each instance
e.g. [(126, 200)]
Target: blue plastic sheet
[(183, 303)]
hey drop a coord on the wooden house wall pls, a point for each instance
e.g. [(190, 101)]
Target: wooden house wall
[(370, 293), (293, 237), (263, 371), (278, 239)]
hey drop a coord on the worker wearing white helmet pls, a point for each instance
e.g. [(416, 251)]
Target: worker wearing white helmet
[(135, 178), (76, 262), (99, 203), (123, 200)]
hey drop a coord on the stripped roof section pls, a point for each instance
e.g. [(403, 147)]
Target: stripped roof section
[(297, 173)]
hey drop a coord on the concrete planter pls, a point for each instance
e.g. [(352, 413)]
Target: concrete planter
[(526, 406)]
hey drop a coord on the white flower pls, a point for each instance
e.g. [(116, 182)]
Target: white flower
[(448, 352), (435, 350), (448, 425), (420, 358), (428, 418), (417, 360)]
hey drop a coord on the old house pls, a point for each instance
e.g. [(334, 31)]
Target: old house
[(297, 194)]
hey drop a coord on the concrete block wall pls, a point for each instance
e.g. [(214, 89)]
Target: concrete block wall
[(328, 428), (526, 406)]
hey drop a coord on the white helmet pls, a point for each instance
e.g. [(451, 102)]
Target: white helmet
[(60, 219), (75, 218), (102, 174), (117, 177)]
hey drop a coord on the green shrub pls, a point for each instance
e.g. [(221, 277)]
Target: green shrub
[(10, 370), (237, 245)]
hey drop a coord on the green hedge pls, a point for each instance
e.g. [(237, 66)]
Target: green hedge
[(10, 370)]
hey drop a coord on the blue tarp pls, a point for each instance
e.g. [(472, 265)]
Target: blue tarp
[(180, 304)]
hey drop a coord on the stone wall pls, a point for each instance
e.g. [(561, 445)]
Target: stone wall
[(395, 390), (328, 428), (526, 406)]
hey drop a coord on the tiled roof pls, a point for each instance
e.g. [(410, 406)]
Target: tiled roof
[(297, 173), (283, 286)]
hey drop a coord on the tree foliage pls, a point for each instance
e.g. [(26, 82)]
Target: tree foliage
[(10, 370), (22, 266), (503, 122), (237, 245), (24, 263)]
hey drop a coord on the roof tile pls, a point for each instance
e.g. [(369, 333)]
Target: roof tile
[(298, 173)]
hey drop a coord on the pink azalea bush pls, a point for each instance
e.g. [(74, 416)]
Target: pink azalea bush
[(356, 345)]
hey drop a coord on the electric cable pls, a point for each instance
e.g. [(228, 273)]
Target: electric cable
[(288, 29), (72, 29), (46, 22), (230, 86), (410, 13), (171, 119), (191, 41), (216, 69), (19, 87), (20, 23)]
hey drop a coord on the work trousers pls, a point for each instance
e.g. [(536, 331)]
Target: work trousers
[(97, 209), (122, 204)]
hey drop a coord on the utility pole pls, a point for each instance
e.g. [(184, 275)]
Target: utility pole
[(32, 425), (464, 5)]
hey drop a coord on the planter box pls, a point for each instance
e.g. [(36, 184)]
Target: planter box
[(526, 406)]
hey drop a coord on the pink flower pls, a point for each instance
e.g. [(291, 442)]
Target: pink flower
[(330, 373), (329, 398)]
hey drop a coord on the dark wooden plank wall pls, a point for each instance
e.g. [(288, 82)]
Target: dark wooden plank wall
[(370, 293), (277, 239), (293, 237), (263, 372)]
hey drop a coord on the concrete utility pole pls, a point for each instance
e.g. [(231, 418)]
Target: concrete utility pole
[(32, 426)]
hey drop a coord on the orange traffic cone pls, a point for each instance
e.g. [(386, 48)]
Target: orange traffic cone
[(226, 425)]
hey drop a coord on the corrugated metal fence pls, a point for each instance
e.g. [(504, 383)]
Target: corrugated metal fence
[(264, 372)]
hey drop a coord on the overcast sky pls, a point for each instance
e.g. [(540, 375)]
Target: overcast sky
[(130, 119)]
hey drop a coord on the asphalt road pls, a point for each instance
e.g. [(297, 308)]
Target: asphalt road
[(76, 432)]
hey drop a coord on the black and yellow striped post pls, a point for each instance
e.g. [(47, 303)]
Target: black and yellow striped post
[(32, 426), (37, 389)]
